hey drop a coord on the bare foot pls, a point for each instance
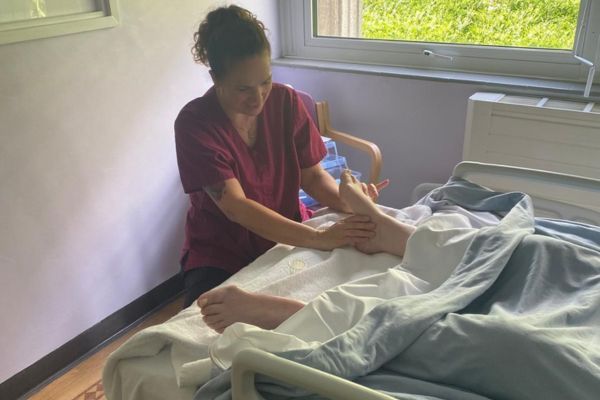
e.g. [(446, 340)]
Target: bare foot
[(391, 235), (226, 305), (351, 193)]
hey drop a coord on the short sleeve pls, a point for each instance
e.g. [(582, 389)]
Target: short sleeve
[(309, 145), (202, 160)]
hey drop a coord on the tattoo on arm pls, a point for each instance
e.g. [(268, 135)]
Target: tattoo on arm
[(215, 191)]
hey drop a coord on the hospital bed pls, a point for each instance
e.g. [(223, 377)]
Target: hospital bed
[(557, 195), (172, 360)]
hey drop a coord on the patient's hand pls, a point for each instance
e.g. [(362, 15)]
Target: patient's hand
[(226, 305)]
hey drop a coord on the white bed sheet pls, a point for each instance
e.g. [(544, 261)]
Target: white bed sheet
[(175, 353), (432, 252)]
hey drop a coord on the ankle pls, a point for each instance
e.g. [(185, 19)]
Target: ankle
[(380, 218)]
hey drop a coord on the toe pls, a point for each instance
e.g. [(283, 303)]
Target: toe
[(345, 178), (212, 309), (213, 320), (220, 327)]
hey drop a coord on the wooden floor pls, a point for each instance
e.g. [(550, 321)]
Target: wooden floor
[(82, 381)]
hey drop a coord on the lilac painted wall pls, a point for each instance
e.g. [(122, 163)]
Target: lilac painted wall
[(91, 207), (418, 124)]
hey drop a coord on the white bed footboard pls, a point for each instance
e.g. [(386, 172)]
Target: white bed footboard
[(249, 362), (533, 132)]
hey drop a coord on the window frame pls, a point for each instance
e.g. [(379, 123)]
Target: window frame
[(296, 18), (45, 27)]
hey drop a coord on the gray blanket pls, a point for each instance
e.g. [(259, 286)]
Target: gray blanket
[(519, 318)]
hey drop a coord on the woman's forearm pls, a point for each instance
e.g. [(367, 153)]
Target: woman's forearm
[(271, 225)]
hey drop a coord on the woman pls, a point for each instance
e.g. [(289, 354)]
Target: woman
[(244, 149)]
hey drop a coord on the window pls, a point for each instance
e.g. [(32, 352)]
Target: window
[(22, 20), (507, 23), (535, 38)]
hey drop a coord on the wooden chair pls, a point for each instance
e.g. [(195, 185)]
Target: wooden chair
[(320, 113)]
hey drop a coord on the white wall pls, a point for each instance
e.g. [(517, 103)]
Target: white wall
[(91, 208), (418, 124)]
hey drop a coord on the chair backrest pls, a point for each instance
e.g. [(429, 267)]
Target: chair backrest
[(319, 111)]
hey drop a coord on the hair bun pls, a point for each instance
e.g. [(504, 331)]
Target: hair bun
[(226, 35), (221, 17)]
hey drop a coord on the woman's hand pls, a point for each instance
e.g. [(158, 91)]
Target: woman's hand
[(351, 231)]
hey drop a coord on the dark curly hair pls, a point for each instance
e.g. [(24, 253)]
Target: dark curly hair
[(228, 35)]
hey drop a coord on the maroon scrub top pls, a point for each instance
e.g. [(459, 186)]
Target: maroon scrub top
[(210, 150)]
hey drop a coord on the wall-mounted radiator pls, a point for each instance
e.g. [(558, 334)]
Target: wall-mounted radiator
[(534, 132)]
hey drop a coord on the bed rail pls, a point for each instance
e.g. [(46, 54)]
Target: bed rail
[(554, 194), (249, 362)]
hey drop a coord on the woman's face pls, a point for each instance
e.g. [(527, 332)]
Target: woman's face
[(246, 86)]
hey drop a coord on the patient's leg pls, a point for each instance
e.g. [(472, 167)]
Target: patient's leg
[(390, 235), (223, 306)]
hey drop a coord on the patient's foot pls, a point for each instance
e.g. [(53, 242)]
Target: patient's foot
[(351, 192), (391, 235), (226, 305)]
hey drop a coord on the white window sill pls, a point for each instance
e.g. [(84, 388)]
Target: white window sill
[(503, 83)]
